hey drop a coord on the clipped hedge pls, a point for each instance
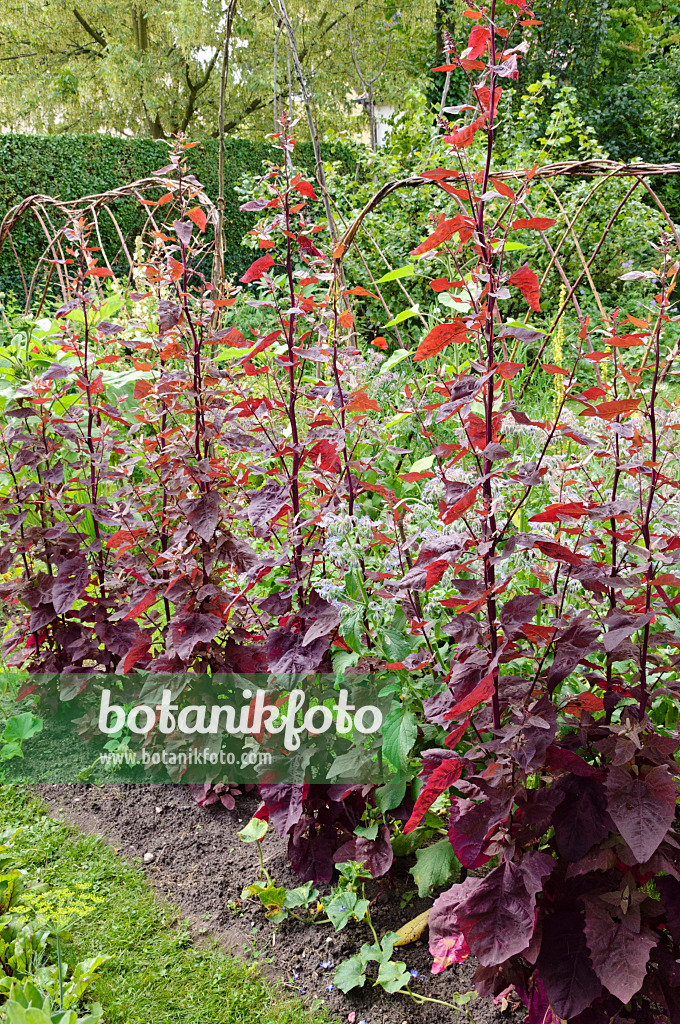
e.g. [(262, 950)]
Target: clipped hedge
[(70, 166)]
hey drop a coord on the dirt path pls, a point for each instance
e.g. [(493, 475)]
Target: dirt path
[(196, 860)]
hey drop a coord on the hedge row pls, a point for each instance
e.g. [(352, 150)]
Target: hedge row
[(70, 166)]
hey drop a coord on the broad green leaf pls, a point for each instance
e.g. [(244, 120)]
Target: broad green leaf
[(404, 845), (341, 908), (301, 897), (513, 246), (394, 359), (272, 896), (350, 974), (393, 976), (405, 314), (389, 796), (393, 275), (434, 866), (254, 831), (422, 464), (367, 831), (399, 732), (342, 661), (22, 727)]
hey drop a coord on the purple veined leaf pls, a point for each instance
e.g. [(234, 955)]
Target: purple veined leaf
[(255, 204), (192, 628), (265, 505), (121, 637), (57, 371), (75, 303), (283, 802), (376, 854), (521, 333), (519, 611), (238, 552), (573, 644), (202, 513), (107, 328), (183, 229), (326, 618), (536, 1001), (168, 316), (642, 807), (581, 819), (497, 915), (620, 626), (41, 617), (564, 965), (287, 653), (311, 855), (618, 954), (72, 578), (535, 735)]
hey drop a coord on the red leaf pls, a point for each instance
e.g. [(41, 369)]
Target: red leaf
[(619, 954), (435, 571), (477, 42), (558, 551), (197, 215), (443, 776), (551, 368), (554, 513), (359, 291), (504, 189), (442, 284), (610, 410), (360, 402), (462, 138), (99, 272), (380, 342), (509, 370), (480, 695), (537, 223), (460, 507), (141, 606), (306, 189), (257, 269), (438, 338), (527, 282), (445, 230)]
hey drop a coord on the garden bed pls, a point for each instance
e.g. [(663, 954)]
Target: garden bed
[(201, 865)]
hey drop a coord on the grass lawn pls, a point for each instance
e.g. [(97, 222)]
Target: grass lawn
[(156, 974)]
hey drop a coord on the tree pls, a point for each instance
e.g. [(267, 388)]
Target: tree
[(152, 67)]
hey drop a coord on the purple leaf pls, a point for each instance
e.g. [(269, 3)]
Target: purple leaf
[(72, 578), (564, 965), (642, 807), (669, 889), (619, 955), (326, 618), (202, 513), (284, 803), (497, 915), (581, 819), (183, 229), (311, 853), (192, 628), (265, 505), (518, 611), (376, 854), (168, 316), (287, 653)]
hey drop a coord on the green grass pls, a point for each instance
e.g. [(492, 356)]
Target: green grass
[(156, 974)]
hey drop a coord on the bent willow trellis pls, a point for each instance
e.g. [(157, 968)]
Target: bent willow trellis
[(202, 477)]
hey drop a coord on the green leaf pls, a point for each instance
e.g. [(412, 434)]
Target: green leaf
[(343, 907), (405, 314), (272, 896), (422, 464), (513, 246), (394, 275), (434, 866), (393, 976), (342, 661), (399, 733), (22, 727), (396, 357), (405, 845), (254, 831), (350, 974), (367, 831), (389, 796), (301, 897)]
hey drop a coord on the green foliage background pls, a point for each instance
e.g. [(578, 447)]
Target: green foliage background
[(71, 166)]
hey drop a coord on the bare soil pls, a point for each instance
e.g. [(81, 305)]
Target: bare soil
[(197, 862)]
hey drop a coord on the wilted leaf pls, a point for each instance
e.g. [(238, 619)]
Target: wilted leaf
[(412, 930)]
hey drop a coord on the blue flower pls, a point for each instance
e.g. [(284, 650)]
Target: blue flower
[(326, 965), (343, 908), (329, 988), (413, 972)]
